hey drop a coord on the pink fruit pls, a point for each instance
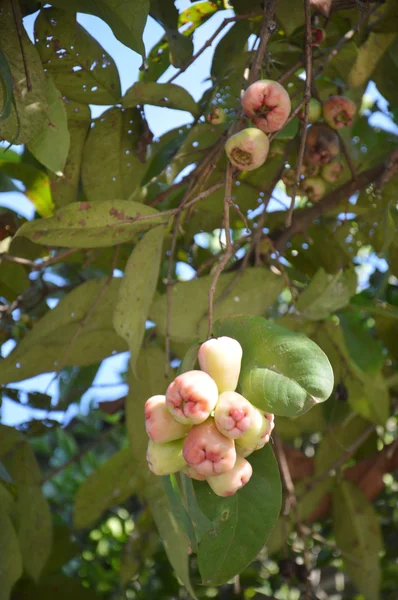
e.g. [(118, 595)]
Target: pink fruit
[(315, 111), (221, 359), (229, 483), (191, 397), (160, 425), (248, 149), (318, 35), (333, 171), (258, 435), (233, 414), (314, 188), (164, 459), (338, 111), (208, 451), (192, 473), (267, 104), (321, 146), (217, 116)]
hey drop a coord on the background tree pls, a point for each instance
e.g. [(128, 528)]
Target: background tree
[(79, 511)]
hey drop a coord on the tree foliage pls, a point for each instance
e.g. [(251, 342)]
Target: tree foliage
[(80, 514)]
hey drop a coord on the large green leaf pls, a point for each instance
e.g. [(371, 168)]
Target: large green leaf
[(181, 46), (126, 19), (357, 529), (167, 95), (114, 155), (80, 67), (64, 335), (283, 372), (10, 552), (13, 279), (230, 51), (34, 527), (255, 291), (85, 225), (137, 289), (36, 182), (291, 15), (29, 110), (7, 87), (51, 145), (65, 189), (327, 293), (55, 586), (241, 523), (112, 483), (370, 52), (150, 380)]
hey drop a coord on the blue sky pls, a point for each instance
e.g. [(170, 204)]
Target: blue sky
[(194, 80)]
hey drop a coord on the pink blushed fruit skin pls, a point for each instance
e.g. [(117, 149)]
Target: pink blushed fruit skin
[(338, 111), (229, 483), (321, 146), (191, 397), (159, 423), (267, 104), (193, 474), (258, 435), (247, 149), (233, 415), (165, 459), (208, 451), (221, 359)]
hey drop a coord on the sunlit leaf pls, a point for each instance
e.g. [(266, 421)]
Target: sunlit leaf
[(168, 95)]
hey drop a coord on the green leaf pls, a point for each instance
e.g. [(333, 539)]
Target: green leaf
[(178, 509), (51, 145), (36, 182), (168, 95), (150, 380), (158, 61), (13, 279), (79, 66), (388, 22), (7, 87), (55, 586), (34, 518), (85, 225), (241, 523), (74, 333), (357, 530), (111, 484), (136, 291), (118, 139), (230, 49), (126, 19), (370, 52), (65, 189), (327, 293), (200, 522), (181, 47), (290, 15), (10, 552), (255, 291), (283, 372)]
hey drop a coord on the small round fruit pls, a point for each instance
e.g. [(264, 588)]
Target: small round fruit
[(314, 188), (333, 171), (318, 36), (267, 104), (193, 474), (233, 414), (247, 149), (314, 111), (229, 483), (208, 451), (322, 144), (221, 359), (339, 111), (159, 423), (191, 397), (165, 459), (257, 435)]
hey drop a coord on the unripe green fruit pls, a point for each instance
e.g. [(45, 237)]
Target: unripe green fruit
[(229, 483), (165, 459), (258, 435), (314, 111), (339, 111), (193, 474), (159, 423), (208, 451), (248, 149), (191, 397), (333, 171), (233, 415), (314, 188), (221, 359)]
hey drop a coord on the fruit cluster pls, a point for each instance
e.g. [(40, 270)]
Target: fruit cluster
[(202, 426), (267, 104)]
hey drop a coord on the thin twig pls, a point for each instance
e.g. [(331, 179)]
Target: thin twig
[(307, 97), (266, 29), (347, 156), (211, 39), (39, 266), (20, 32)]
